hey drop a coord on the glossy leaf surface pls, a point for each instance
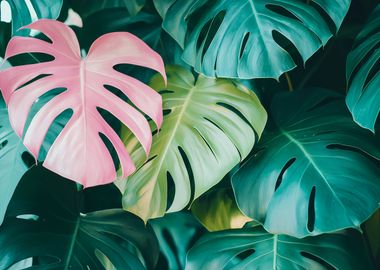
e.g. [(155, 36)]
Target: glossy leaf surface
[(209, 126), (363, 74), (249, 38), (315, 171), (254, 248), (79, 153)]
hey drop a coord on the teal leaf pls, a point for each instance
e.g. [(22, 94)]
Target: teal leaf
[(315, 170), (240, 39), (176, 233), (254, 248), (23, 12), (363, 74)]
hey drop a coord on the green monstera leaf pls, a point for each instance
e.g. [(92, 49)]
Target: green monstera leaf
[(23, 12), (223, 38), (363, 74), (315, 171), (60, 228), (254, 248), (13, 160), (176, 234), (209, 126)]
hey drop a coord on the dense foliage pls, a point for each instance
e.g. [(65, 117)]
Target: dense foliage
[(190, 134)]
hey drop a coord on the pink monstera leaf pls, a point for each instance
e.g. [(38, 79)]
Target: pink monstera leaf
[(79, 153)]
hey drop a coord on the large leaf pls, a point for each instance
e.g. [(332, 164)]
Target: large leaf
[(176, 234), (88, 7), (79, 152), (210, 125), (23, 12), (363, 74), (46, 220), (245, 38), (315, 171), (254, 248)]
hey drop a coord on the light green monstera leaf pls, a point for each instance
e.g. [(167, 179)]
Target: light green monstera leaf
[(209, 126), (363, 74), (223, 38), (315, 170), (254, 248)]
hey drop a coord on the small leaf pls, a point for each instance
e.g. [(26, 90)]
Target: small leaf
[(209, 126), (79, 153), (315, 170), (254, 248)]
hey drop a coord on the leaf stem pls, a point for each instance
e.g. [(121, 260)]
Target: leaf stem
[(289, 81)]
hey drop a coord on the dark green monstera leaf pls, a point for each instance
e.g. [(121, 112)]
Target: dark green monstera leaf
[(254, 248), (315, 170), (176, 234), (88, 7), (363, 74), (24, 12), (47, 220), (249, 38)]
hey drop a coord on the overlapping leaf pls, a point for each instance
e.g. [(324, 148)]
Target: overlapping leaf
[(79, 152), (254, 248), (22, 12), (52, 226), (363, 74), (241, 38), (315, 171), (209, 126)]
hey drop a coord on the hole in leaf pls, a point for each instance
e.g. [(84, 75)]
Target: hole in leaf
[(33, 80), (245, 254), (111, 149), (288, 46), (244, 44), (325, 264), (326, 17), (28, 159), (45, 260), (284, 169), (282, 11), (209, 32), (165, 91), (190, 173), (311, 211), (375, 161), (30, 58), (3, 144), (170, 190)]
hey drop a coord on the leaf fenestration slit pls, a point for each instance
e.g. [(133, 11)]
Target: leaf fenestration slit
[(311, 210)]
